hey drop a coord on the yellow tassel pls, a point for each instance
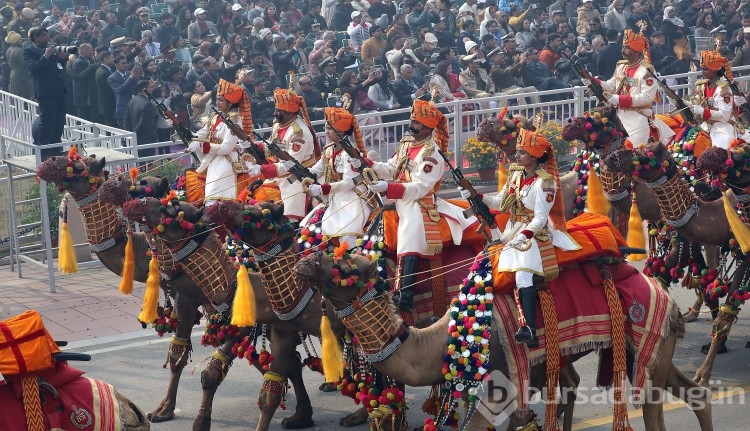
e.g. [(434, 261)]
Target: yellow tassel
[(738, 228), (502, 176), (128, 268), (595, 200), (66, 260), (243, 307), (151, 297), (636, 239), (332, 356)]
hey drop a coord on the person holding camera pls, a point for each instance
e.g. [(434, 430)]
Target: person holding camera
[(47, 67)]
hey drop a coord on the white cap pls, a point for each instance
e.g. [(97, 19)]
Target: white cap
[(356, 13), (199, 11), (469, 44), (236, 7), (430, 38)]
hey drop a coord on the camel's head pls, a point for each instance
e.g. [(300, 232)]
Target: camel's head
[(168, 217), (733, 164), (597, 130), (117, 190), (255, 223), (80, 176), (503, 131), (651, 161), (329, 272)]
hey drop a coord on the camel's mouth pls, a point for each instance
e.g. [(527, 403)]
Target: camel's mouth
[(485, 132), (113, 192), (137, 210), (619, 161), (222, 213), (306, 270)]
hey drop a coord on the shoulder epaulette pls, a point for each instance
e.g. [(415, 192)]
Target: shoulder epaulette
[(548, 180), (702, 81), (296, 127), (515, 167), (622, 62)]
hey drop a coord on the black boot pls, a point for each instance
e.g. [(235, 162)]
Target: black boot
[(527, 334), (404, 297)]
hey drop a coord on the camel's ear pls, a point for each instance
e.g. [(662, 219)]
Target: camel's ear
[(277, 211), (100, 165), (162, 188), (192, 213)]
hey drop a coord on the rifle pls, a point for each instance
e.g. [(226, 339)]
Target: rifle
[(745, 107), (366, 175), (585, 74), (254, 150), (183, 132), (477, 208), (682, 107), (298, 172)]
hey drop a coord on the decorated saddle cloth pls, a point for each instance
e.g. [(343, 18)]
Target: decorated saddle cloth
[(584, 321), (69, 402)]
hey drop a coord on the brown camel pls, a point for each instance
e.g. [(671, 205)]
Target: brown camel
[(419, 359), (285, 334)]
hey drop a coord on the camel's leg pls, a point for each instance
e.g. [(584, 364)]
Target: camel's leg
[(302, 417), (133, 418), (569, 381), (698, 398), (653, 407), (179, 353), (703, 373), (691, 315), (285, 363), (211, 378)]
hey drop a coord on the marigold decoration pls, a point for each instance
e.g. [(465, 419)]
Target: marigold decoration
[(552, 131), (467, 360), (481, 155)]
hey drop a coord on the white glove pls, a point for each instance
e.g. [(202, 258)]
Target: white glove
[(378, 186), (356, 163), (614, 99), (586, 82), (464, 193), (253, 170), (286, 166), (315, 190), (518, 240), (170, 122), (194, 146), (697, 110)]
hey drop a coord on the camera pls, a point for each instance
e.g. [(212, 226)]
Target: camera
[(66, 49)]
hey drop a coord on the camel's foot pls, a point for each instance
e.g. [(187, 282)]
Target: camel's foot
[(203, 421), (691, 315), (353, 419), (328, 387), (722, 349), (298, 421), (701, 376), (163, 412)]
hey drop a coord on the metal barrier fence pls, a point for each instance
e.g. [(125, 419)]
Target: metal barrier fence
[(384, 130)]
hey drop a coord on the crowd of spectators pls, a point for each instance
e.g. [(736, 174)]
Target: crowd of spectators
[(383, 53)]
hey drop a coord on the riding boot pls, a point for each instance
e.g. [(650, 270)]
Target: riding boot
[(527, 334), (404, 297)]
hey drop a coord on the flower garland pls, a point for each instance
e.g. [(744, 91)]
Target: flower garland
[(467, 360), (179, 220), (597, 127), (584, 161)]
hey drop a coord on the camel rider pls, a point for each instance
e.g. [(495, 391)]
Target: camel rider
[(416, 169), (295, 134), (632, 89), (216, 146), (347, 206), (713, 101), (536, 225)]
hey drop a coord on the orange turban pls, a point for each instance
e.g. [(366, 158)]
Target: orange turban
[(712, 60), (537, 145), (343, 121), (236, 95), (636, 42), (427, 114), (287, 100)]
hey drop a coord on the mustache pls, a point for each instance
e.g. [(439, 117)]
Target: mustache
[(413, 130)]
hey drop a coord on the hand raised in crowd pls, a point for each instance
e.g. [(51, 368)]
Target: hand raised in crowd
[(136, 72), (340, 52), (299, 42), (143, 42), (50, 51)]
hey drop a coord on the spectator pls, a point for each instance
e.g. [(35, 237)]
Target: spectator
[(22, 24), (358, 31), (538, 74), (142, 25), (122, 85), (105, 97), (291, 13), (200, 27), (271, 17), (82, 73), (428, 48), (689, 15), (447, 83), (262, 103), (407, 87), (421, 17), (609, 56), (349, 83), (182, 53), (47, 68), (196, 69), (549, 55), (567, 8), (328, 81), (382, 94), (111, 30), (314, 99), (742, 58), (504, 27), (596, 29), (524, 37), (586, 13), (616, 19), (313, 16), (638, 14), (238, 15), (320, 50), (671, 16), (169, 60), (257, 11), (379, 8), (541, 20), (703, 25), (282, 59), (661, 54), (184, 19), (564, 68), (558, 17), (199, 103), (399, 27), (540, 38), (150, 70), (21, 82), (474, 79), (466, 33), (374, 47), (140, 117), (166, 31), (342, 15), (52, 18), (506, 70)]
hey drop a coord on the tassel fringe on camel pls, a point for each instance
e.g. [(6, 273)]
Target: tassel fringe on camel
[(243, 307), (151, 297), (595, 199), (636, 239), (128, 267), (66, 261), (738, 228), (332, 356)]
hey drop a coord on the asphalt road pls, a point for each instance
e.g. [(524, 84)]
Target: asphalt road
[(134, 366)]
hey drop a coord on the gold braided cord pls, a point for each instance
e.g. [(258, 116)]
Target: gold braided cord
[(552, 346), (100, 221), (674, 198), (279, 280), (374, 323), (32, 404), (210, 269), (620, 417)]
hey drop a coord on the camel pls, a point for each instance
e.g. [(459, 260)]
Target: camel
[(268, 291), (419, 359)]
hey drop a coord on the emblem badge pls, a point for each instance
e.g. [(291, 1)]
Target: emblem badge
[(727, 98), (427, 168), (550, 197), (637, 312), (80, 417), (649, 81)]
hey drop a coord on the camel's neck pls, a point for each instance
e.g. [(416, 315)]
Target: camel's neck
[(677, 203), (167, 265), (209, 268), (100, 219), (277, 272), (378, 328)]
